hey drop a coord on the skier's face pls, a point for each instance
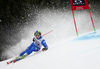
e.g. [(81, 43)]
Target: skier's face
[(37, 36)]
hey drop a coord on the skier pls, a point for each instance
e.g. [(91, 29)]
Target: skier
[(38, 42), (36, 45)]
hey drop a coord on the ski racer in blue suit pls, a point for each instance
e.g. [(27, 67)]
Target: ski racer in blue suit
[(38, 42)]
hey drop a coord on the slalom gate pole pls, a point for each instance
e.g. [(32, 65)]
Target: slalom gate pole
[(75, 23), (92, 20), (47, 33)]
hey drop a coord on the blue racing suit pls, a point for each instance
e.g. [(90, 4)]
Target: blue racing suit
[(35, 46)]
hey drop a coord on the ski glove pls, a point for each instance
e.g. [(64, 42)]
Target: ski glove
[(33, 39), (44, 49)]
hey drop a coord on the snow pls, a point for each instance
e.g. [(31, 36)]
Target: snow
[(79, 53)]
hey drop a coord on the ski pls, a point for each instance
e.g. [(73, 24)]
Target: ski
[(13, 61), (17, 59)]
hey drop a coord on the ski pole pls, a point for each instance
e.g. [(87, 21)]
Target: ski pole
[(47, 33)]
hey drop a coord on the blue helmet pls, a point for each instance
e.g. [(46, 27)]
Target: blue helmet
[(37, 33)]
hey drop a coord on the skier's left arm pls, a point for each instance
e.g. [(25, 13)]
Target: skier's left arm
[(45, 45)]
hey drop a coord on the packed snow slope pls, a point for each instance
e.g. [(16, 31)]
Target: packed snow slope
[(81, 53)]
